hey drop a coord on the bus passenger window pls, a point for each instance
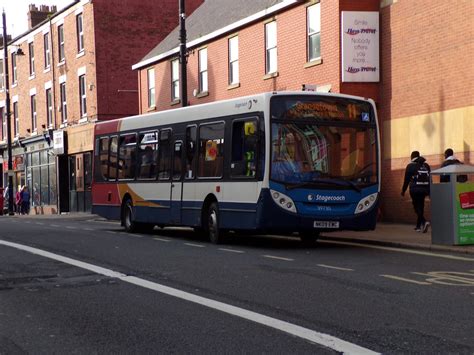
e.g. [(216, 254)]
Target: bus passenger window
[(164, 167), (190, 151), (147, 154), (177, 161), (244, 148), (113, 148), (127, 156), (104, 157), (211, 150)]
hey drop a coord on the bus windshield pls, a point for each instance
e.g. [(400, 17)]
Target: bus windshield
[(324, 152)]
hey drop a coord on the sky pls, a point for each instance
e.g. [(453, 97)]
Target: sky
[(16, 12)]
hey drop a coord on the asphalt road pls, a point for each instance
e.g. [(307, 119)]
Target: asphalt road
[(385, 301)]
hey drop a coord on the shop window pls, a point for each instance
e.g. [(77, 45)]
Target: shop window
[(127, 156), (164, 167), (244, 148), (211, 149), (147, 154)]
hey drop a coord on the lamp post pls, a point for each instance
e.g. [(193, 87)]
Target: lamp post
[(182, 53), (7, 104)]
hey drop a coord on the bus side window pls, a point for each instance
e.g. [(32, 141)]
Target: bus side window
[(147, 155), (103, 152), (190, 151), (113, 150), (177, 160), (127, 156), (164, 152), (244, 148), (211, 150)]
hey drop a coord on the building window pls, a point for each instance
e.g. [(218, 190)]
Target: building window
[(151, 87), (2, 80), (203, 79), (175, 80), (61, 52), (80, 33), (314, 31), (62, 93), (234, 60), (271, 47), (16, 118), (49, 108), (47, 54), (34, 122), (31, 50), (3, 115), (14, 72), (82, 95)]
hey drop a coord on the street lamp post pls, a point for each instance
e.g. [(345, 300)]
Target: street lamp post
[(7, 104), (182, 53)]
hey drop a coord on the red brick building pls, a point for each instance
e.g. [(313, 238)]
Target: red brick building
[(76, 70), (424, 93)]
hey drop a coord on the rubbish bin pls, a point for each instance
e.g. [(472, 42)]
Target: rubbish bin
[(452, 206)]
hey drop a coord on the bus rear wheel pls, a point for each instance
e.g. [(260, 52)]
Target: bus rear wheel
[(212, 226)]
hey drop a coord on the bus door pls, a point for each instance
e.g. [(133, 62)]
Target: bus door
[(176, 183)]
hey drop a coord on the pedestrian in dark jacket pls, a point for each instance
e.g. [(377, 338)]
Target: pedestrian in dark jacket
[(417, 178), (449, 159)]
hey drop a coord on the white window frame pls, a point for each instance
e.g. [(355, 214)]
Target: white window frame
[(2, 77), (61, 46), (14, 70), (151, 87), (233, 44), (271, 52), (34, 116), (313, 20), (80, 32), (16, 118), (63, 104), (203, 73), (31, 53), (175, 84), (47, 51), (3, 110), (49, 107), (82, 95)]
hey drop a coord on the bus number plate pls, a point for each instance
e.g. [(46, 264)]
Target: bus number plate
[(326, 224)]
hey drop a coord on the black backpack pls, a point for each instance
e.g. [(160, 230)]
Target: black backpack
[(422, 176)]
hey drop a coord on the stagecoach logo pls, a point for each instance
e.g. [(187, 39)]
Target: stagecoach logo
[(325, 198), (247, 104)]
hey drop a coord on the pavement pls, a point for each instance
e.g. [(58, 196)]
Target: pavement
[(386, 234)]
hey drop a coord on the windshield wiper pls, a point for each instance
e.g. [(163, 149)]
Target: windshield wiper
[(317, 181)]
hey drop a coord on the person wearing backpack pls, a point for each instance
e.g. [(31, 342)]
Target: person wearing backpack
[(417, 177), (449, 159)]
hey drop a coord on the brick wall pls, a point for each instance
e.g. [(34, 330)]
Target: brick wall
[(292, 73)]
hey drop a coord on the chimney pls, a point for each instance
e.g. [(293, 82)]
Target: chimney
[(36, 16)]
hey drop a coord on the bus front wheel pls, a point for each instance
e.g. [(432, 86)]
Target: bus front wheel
[(212, 225), (128, 220)]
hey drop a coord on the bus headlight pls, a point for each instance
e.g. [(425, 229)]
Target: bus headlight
[(283, 201), (366, 203)]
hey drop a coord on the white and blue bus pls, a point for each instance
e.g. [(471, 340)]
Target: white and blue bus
[(281, 162)]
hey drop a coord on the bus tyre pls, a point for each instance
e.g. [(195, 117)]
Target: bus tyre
[(308, 237), (129, 223), (212, 226)]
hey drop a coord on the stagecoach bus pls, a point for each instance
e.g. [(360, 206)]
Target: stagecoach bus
[(286, 162)]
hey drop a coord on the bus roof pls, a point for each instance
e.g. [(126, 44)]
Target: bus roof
[(236, 106)]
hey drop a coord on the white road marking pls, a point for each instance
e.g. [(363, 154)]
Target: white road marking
[(194, 245), (133, 235), (277, 257), (55, 225), (69, 227), (162, 240), (407, 251), (231, 250), (40, 223), (335, 267), (111, 232), (405, 280), (88, 229), (326, 340)]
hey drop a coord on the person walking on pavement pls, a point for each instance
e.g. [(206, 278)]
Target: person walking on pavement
[(25, 200), (449, 159), (417, 177), (18, 200)]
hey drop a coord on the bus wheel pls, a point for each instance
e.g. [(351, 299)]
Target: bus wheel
[(309, 237), (212, 227), (127, 217)]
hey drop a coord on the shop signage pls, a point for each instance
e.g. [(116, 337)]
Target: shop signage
[(58, 142), (465, 212), (360, 46)]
